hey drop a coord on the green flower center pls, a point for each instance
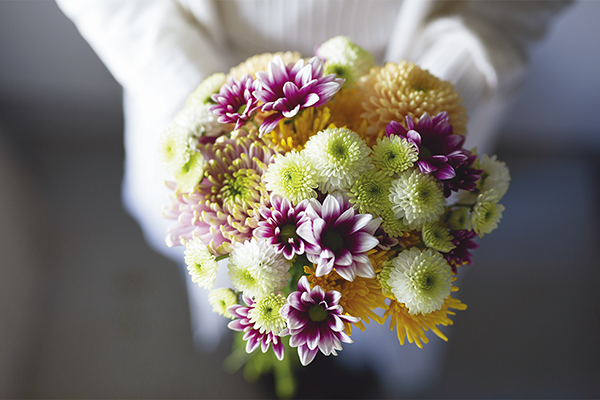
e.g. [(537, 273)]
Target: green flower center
[(288, 232), (425, 281), (333, 240), (317, 313), (338, 150)]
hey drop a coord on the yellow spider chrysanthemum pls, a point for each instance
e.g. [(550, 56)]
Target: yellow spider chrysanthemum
[(413, 327), (393, 91), (260, 62), (293, 135), (361, 297)]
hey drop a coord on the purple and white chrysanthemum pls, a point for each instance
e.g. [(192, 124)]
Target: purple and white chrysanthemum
[(315, 321), (440, 151), (286, 89), (460, 254), (254, 333), (235, 101), (280, 225), (339, 238)]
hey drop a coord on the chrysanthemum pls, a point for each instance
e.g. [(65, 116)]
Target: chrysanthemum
[(339, 238), (370, 192), (416, 197), (264, 313), (339, 156), (294, 135), (392, 225), (486, 213), (292, 176), (279, 226), (420, 279), (345, 58), (395, 91), (440, 151), (458, 218), (191, 173), (221, 299), (193, 219), (260, 62), (460, 254), (495, 175), (394, 154), (315, 321), (223, 207), (204, 91), (413, 326), (286, 90), (201, 263), (252, 334), (235, 104), (256, 269), (174, 148), (437, 237)]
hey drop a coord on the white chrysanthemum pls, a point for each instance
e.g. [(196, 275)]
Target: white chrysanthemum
[(191, 173), (486, 214), (265, 314), (204, 91), (256, 269), (345, 59), (417, 197), (221, 299), (458, 218), (495, 175), (339, 156), (292, 176), (437, 237), (420, 279), (198, 121), (201, 263), (174, 148), (394, 154)]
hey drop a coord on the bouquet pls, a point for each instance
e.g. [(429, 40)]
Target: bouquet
[(339, 192)]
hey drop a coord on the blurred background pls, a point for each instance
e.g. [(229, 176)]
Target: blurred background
[(87, 310)]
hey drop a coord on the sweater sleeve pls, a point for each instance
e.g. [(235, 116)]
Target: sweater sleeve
[(479, 46), (155, 49)]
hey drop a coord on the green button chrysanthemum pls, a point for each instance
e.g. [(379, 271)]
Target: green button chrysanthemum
[(201, 263), (191, 173), (292, 176), (437, 237), (345, 58), (339, 156), (495, 175), (265, 314), (392, 225), (486, 214), (220, 299), (394, 154), (174, 148), (458, 218), (370, 192), (421, 280), (417, 197)]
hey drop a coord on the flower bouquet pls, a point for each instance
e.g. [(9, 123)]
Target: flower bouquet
[(339, 192)]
